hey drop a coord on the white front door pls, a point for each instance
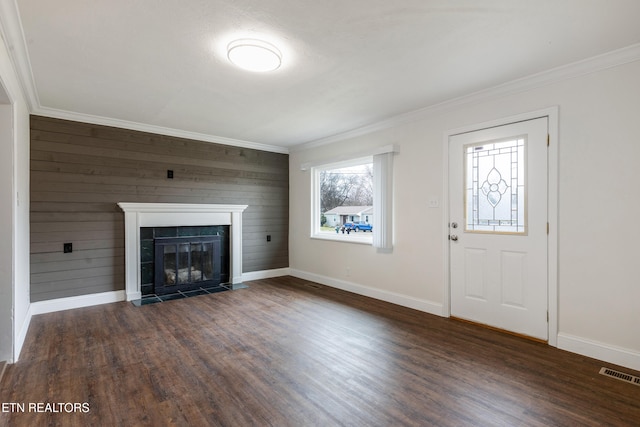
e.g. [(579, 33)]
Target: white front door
[(498, 227)]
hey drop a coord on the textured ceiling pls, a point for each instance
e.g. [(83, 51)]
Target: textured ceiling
[(346, 64)]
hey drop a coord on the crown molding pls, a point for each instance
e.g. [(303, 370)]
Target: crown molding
[(13, 35), (576, 69), (143, 127)]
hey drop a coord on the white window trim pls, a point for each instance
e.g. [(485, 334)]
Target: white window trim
[(382, 159)]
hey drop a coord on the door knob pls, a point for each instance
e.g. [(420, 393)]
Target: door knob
[(454, 225), (454, 237)]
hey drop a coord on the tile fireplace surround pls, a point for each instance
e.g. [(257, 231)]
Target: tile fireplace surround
[(138, 215)]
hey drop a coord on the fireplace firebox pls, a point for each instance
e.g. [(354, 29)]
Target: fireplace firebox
[(183, 258), (186, 263)]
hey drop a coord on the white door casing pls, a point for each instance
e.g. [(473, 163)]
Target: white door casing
[(498, 268)]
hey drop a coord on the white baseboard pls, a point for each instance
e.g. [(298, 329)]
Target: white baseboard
[(60, 304), (22, 335), (265, 274), (601, 351), (392, 297)]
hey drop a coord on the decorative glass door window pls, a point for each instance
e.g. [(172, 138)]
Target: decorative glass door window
[(495, 193)]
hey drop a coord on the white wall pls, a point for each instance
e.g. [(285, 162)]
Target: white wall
[(599, 152), (14, 217)]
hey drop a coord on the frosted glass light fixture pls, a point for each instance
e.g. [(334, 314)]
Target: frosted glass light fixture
[(254, 55)]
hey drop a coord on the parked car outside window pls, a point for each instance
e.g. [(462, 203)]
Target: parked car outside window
[(357, 226)]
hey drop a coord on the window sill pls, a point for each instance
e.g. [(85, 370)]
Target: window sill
[(345, 238)]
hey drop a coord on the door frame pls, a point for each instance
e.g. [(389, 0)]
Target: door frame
[(8, 334), (552, 209)]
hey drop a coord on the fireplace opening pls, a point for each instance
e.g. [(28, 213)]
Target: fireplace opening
[(176, 260), (186, 263)]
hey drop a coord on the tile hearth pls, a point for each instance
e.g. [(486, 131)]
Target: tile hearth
[(152, 299)]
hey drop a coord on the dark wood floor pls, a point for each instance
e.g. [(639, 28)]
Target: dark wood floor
[(286, 352)]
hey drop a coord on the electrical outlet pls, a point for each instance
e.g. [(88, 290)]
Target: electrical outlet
[(169, 174), (268, 237), (67, 248)]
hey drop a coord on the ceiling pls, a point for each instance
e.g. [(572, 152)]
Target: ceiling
[(346, 64)]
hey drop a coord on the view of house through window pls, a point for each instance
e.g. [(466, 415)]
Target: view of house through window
[(346, 199)]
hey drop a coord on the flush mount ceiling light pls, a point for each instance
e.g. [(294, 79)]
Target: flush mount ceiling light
[(254, 55)]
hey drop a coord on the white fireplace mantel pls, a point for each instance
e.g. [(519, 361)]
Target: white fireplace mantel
[(137, 215)]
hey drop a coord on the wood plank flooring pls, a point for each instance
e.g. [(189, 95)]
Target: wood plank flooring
[(287, 352)]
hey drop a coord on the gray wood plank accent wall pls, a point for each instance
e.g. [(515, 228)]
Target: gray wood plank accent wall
[(80, 171)]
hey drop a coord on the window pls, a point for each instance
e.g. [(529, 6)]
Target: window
[(344, 194), (352, 199)]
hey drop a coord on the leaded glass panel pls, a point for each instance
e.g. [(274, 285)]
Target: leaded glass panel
[(495, 193)]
